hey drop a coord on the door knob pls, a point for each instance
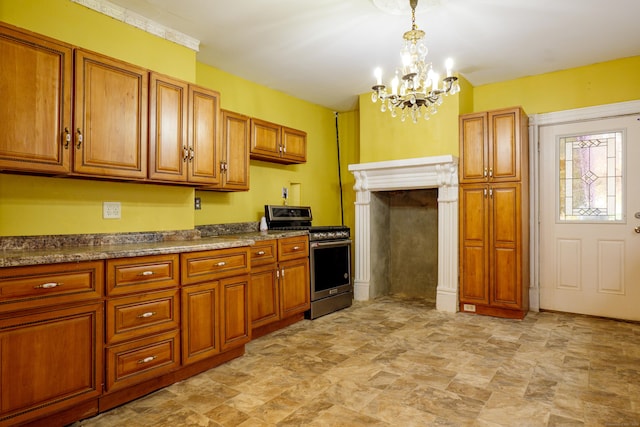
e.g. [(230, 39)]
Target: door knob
[(637, 229)]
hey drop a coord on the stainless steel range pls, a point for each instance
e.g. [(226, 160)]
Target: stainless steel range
[(329, 257)]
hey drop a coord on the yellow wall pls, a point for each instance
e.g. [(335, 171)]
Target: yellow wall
[(31, 205), (597, 84)]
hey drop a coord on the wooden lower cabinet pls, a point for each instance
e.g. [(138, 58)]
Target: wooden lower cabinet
[(265, 296), (51, 361), (294, 287), (135, 361), (71, 347), (200, 324), (234, 328), (493, 250), (280, 288)]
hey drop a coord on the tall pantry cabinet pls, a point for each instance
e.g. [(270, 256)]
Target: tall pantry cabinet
[(494, 213)]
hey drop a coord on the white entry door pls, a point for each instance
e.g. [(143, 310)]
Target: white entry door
[(590, 217)]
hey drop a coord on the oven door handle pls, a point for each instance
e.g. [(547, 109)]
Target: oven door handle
[(341, 242)]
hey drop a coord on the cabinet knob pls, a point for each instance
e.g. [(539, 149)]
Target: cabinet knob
[(491, 173), (221, 264), (147, 359), (296, 248), (79, 138), (485, 172), (49, 285), (67, 138), (637, 229), (261, 252), (146, 273), (147, 315)]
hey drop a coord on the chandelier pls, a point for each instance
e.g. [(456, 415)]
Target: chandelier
[(415, 89)]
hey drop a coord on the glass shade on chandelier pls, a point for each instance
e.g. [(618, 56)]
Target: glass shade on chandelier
[(416, 90)]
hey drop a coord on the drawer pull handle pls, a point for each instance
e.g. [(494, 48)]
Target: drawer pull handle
[(49, 285), (146, 273), (221, 264), (261, 252), (147, 314), (147, 360), (296, 248)]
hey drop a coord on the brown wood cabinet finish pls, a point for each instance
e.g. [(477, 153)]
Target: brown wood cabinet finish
[(135, 316), (235, 151), (135, 361), (168, 145), (279, 290), (494, 213), (235, 329), (204, 150), (493, 146), (143, 273), (51, 360), (275, 143), (50, 285), (200, 321), (38, 86), (108, 141)]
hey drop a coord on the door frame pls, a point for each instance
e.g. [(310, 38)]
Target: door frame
[(536, 121)]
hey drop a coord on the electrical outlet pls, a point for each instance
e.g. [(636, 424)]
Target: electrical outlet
[(111, 210), (285, 193), (198, 203)]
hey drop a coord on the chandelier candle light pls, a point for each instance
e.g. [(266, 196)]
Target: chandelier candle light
[(415, 84)]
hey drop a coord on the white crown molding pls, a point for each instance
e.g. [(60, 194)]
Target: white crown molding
[(145, 24)]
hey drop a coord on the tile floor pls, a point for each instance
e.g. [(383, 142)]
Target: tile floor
[(399, 362)]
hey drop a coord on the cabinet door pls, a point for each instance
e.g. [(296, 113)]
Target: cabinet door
[(110, 130), (294, 145), (50, 361), (505, 144), (294, 287), (236, 151), (265, 140), (204, 149), (200, 324), (35, 112), (264, 296), (235, 329), (506, 253), (168, 149), (474, 152), (474, 244)]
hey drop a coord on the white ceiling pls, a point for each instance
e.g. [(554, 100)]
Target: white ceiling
[(324, 51)]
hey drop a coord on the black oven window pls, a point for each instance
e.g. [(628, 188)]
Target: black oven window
[(331, 267)]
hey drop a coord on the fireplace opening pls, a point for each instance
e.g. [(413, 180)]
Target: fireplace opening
[(404, 243)]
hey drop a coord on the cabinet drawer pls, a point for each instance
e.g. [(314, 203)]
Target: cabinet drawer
[(202, 266), (293, 248), (127, 275), (41, 285), (140, 360), (263, 253), (139, 315)]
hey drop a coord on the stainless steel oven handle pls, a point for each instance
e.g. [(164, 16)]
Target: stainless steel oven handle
[(331, 243)]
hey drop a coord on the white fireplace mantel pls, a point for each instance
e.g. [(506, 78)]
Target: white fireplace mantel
[(439, 172)]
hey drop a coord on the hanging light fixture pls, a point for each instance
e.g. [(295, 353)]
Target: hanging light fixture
[(415, 89)]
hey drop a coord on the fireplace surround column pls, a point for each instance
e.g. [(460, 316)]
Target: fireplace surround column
[(439, 172)]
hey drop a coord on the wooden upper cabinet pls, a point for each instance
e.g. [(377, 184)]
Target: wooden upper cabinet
[(492, 146), (275, 143), (235, 151), (110, 126), (35, 107), (474, 150), (294, 145), (168, 146), (204, 150)]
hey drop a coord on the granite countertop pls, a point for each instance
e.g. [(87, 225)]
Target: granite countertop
[(58, 249)]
